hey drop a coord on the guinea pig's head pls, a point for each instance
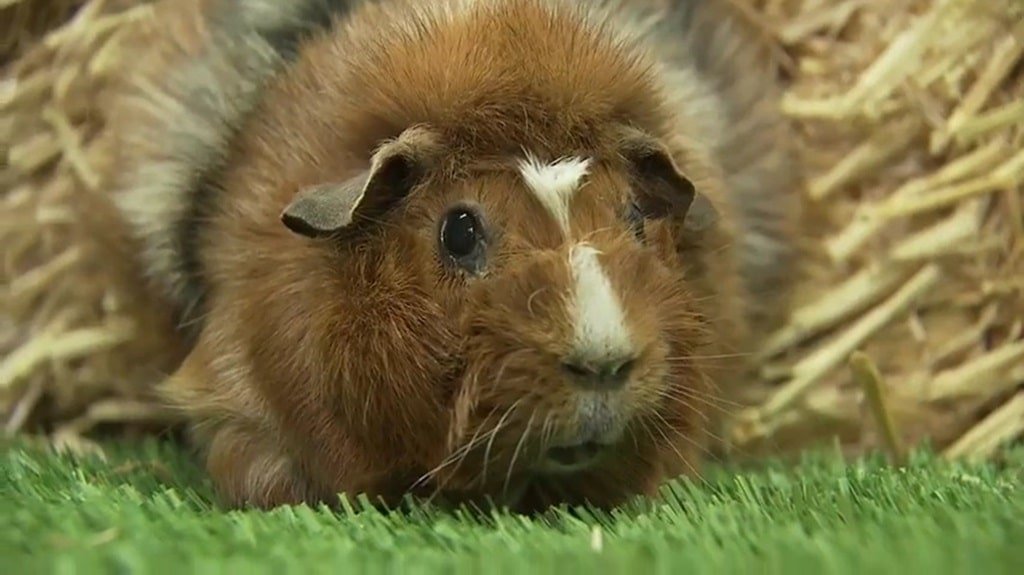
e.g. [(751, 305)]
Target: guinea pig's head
[(577, 334)]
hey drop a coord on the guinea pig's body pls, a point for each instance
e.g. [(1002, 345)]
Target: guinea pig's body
[(482, 248)]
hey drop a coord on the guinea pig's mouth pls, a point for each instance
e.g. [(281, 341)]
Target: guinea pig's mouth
[(572, 458), (597, 426)]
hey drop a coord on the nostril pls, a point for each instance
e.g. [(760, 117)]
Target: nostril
[(576, 369), (623, 369)]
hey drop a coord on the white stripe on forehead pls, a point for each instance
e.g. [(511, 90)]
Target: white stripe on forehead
[(599, 321), (554, 183)]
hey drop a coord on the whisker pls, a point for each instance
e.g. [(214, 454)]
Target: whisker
[(685, 402), (723, 407), (712, 393), (671, 444), (490, 444), (710, 434), (463, 453), (644, 422), (455, 454), (547, 430), (710, 397), (711, 356), (515, 454), (690, 440), (680, 433)]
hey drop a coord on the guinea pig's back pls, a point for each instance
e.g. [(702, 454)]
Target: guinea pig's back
[(179, 108), (209, 61), (719, 73)]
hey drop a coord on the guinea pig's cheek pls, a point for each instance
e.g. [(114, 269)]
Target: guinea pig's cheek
[(653, 379), (659, 236)]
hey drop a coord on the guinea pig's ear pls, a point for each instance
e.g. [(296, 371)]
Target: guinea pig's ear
[(395, 168), (662, 189)]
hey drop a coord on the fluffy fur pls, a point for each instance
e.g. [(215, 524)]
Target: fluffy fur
[(367, 361)]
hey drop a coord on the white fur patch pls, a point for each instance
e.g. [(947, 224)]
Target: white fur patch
[(555, 183), (598, 319)]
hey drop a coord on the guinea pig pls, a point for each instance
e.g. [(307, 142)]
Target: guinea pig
[(512, 250)]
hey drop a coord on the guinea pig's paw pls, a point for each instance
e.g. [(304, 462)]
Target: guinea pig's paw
[(243, 456), (250, 470)]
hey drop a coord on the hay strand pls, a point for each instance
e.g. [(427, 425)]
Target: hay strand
[(57, 347), (866, 374), (812, 368), (999, 428)]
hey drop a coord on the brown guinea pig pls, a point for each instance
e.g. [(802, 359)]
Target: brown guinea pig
[(479, 248)]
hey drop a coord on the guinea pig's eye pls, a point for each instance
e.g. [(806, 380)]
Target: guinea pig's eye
[(462, 238), (635, 217)]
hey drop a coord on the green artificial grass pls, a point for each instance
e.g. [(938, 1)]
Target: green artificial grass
[(148, 510)]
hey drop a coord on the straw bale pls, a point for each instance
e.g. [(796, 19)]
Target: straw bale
[(22, 23), (75, 330), (910, 119), (911, 124)]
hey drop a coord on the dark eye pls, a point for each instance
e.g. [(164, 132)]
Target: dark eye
[(462, 238), (635, 217)]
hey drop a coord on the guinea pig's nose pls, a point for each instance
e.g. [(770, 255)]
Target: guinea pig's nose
[(604, 373)]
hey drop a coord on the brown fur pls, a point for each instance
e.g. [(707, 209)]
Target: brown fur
[(363, 364)]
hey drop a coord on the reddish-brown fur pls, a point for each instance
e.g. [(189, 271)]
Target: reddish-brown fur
[(366, 365)]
